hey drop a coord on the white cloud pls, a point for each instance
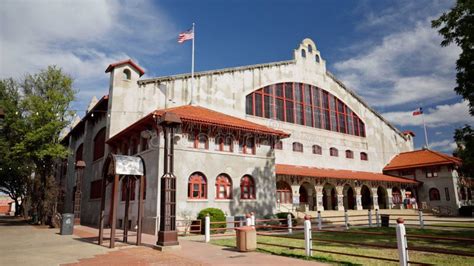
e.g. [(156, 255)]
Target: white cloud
[(447, 145), (82, 37), (408, 66), (441, 115)]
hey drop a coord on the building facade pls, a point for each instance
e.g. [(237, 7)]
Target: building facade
[(262, 138)]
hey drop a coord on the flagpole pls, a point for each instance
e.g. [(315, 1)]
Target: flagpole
[(192, 67), (426, 134)]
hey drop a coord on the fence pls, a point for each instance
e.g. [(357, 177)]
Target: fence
[(284, 228)]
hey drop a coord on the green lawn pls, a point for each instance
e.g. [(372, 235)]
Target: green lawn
[(439, 259)]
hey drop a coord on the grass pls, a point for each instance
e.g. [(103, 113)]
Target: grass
[(424, 257), (456, 224)]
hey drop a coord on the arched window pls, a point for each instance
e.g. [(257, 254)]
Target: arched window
[(303, 53), (247, 187), (317, 149), (201, 141), (197, 186), (247, 145), (316, 58), (349, 154), (310, 48), (79, 153), (284, 194), (363, 156), (127, 74), (223, 187), (298, 147), (224, 144), (333, 152), (99, 144), (434, 194), (279, 145), (304, 104)]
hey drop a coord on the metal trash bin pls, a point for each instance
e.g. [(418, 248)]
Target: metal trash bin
[(385, 220), (246, 238), (67, 224)]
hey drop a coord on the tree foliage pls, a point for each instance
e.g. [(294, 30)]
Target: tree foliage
[(36, 111), (464, 138), (457, 26)]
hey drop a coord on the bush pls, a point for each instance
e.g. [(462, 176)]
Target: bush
[(216, 215), (284, 215)]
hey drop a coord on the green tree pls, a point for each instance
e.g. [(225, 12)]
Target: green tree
[(464, 138), (457, 26), (43, 103)]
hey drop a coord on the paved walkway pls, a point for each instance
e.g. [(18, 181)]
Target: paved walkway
[(23, 244)]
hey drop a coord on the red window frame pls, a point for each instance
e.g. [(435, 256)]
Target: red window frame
[(284, 193), (99, 144), (223, 185), (198, 141), (244, 145), (278, 145), (364, 156), (95, 189), (312, 101), (349, 154), (297, 147), (333, 152), (225, 144), (247, 187), (434, 194), (197, 186)]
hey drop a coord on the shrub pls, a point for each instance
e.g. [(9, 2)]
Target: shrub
[(284, 215), (216, 215)]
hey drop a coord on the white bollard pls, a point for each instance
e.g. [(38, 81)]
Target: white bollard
[(346, 219), (320, 221), (370, 217), (308, 241), (248, 221), (207, 228), (377, 217), (402, 243), (290, 224), (252, 214), (420, 217)]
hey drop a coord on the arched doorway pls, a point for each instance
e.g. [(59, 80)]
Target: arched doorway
[(382, 198), (349, 198), (303, 195), (329, 197), (396, 197), (307, 193), (366, 198)]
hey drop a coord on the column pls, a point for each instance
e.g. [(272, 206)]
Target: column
[(375, 198), (319, 198), (296, 195), (402, 205), (358, 198), (389, 198), (340, 198)]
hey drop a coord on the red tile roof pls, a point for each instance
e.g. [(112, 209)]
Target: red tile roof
[(203, 116), (128, 61), (285, 169), (409, 132), (420, 158)]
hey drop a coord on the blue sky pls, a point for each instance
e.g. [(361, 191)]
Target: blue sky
[(384, 50)]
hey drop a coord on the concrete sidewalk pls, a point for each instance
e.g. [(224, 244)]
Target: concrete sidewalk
[(23, 244)]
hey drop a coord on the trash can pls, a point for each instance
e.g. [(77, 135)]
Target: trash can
[(246, 238), (385, 220), (67, 224)]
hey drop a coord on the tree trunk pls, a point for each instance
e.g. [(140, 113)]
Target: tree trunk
[(17, 207)]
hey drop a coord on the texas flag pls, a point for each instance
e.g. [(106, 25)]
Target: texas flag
[(418, 111)]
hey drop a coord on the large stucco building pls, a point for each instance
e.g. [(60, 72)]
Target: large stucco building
[(262, 138)]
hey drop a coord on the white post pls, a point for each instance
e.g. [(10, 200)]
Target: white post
[(248, 221), (308, 242), (370, 217), (290, 224), (346, 219), (253, 218), (192, 66), (207, 228), (377, 217), (420, 216), (320, 221), (402, 243)]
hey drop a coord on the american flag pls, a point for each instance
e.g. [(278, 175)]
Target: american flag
[(187, 35), (418, 111)]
